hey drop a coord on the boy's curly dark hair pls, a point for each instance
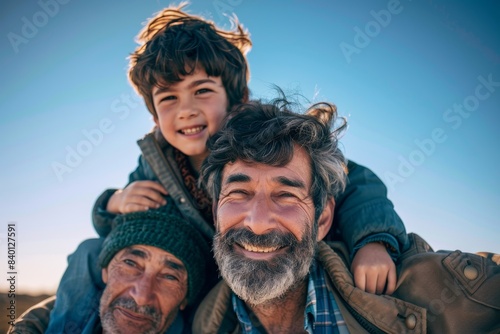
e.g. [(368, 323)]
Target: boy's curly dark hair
[(174, 44)]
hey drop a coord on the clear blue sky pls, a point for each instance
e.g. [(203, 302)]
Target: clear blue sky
[(419, 82)]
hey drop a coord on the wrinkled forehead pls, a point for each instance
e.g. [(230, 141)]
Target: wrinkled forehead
[(151, 255), (296, 173)]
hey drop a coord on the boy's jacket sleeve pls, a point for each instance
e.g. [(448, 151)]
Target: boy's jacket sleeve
[(363, 210), (101, 218)]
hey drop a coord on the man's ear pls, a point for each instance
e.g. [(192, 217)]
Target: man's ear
[(155, 119), (183, 305), (105, 275), (325, 220)]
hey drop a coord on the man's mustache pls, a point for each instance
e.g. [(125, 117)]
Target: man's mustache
[(244, 236), (131, 305)]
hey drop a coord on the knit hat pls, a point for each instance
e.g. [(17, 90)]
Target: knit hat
[(163, 228)]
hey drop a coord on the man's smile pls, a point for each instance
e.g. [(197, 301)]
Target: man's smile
[(133, 316), (258, 252)]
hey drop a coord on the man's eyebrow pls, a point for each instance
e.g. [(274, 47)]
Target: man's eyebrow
[(166, 262), (290, 182), (136, 252), (193, 84), (237, 178), (174, 265)]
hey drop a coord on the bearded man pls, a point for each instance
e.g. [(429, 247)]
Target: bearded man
[(273, 175)]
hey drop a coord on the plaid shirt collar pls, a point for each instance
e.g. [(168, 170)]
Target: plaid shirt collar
[(321, 315)]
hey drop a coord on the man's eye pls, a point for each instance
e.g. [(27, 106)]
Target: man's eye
[(170, 277), (286, 194), (238, 192), (130, 263)]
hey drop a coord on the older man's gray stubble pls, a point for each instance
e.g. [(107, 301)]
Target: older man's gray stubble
[(108, 321)]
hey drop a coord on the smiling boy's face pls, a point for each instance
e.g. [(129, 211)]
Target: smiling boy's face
[(190, 111)]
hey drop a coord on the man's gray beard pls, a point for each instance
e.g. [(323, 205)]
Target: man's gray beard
[(263, 281), (108, 321)]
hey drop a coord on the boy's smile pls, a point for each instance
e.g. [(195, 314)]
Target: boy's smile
[(190, 111), (193, 131)]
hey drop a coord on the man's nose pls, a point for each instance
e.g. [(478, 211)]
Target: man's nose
[(143, 290), (260, 215)]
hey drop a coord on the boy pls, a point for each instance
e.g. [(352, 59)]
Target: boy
[(190, 74)]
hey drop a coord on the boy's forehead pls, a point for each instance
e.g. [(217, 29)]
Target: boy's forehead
[(198, 76)]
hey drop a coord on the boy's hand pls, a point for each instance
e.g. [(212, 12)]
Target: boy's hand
[(373, 269), (137, 196)]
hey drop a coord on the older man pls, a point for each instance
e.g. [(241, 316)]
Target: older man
[(153, 266), (273, 175)]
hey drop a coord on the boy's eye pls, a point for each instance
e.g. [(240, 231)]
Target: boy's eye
[(203, 90), (168, 98)]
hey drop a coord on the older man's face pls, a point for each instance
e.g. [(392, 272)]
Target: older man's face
[(145, 288), (266, 233)]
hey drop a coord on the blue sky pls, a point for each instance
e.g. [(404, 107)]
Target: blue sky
[(419, 82)]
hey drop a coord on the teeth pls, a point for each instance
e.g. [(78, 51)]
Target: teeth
[(256, 249), (192, 131)]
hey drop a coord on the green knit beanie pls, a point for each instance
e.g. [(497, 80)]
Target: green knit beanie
[(160, 228)]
